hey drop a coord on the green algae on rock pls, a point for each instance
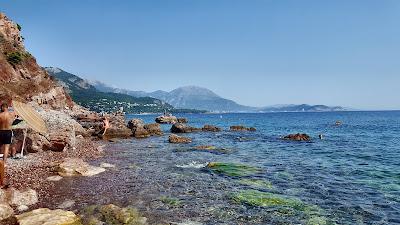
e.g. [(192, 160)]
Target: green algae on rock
[(256, 183), (265, 199), (112, 215), (232, 169), (171, 201)]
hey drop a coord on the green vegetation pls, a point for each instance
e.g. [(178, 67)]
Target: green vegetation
[(19, 27), (264, 199), (256, 183), (15, 58), (285, 206), (170, 201), (112, 215), (232, 169)]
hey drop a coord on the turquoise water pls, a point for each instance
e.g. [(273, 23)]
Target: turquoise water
[(352, 176)]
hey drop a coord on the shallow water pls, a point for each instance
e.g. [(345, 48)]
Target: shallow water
[(352, 176)]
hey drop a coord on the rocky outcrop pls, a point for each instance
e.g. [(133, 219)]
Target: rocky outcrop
[(241, 128), (154, 129), (47, 216), (211, 128), (77, 167), (21, 77), (165, 119), (183, 128), (173, 138), (141, 130), (297, 137)]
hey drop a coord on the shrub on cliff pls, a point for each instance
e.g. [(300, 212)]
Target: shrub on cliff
[(15, 58)]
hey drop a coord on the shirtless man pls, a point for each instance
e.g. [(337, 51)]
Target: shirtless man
[(6, 120)]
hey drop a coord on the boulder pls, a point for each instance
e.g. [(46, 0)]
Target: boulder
[(242, 128), (165, 119), (47, 216), (183, 128), (23, 197), (77, 167), (5, 211), (134, 123), (178, 139), (211, 128), (153, 129), (140, 132), (297, 137), (182, 120), (117, 132)]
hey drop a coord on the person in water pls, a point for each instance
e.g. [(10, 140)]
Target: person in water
[(6, 135)]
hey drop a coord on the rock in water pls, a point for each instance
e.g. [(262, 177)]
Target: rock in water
[(241, 128), (182, 120), (211, 128), (178, 139), (141, 130), (183, 128), (51, 217), (112, 214), (153, 129), (166, 119), (297, 137), (5, 211), (107, 165), (75, 166)]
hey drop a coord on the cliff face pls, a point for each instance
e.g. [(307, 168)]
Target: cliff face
[(21, 77)]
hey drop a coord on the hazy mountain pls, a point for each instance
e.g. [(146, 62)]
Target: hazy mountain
[(189, 97), (85, 94), (301, 108)]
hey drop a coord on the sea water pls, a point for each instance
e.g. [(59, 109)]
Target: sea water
[(351, 176)]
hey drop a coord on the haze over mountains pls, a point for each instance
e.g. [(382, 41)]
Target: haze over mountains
[(188, 97), (194, 97)]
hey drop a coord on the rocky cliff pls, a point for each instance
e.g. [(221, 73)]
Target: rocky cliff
[(21, 77)]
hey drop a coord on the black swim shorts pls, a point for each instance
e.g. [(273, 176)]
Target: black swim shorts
[(6, 137)]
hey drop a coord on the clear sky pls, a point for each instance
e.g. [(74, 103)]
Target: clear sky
[(256, 52)]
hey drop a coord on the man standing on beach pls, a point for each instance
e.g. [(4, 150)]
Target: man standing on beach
[(6, 120)]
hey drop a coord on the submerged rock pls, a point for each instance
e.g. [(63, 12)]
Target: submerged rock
[(46, 216), (265, 199), (256, 183), (173, 138), (112, 215), (241, 128), (171, 201), (165, 119), (232, 169), (76, 167), (183, 128), (211, 128), (297, 137)]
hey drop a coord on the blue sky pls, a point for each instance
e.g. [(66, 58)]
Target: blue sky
[(256, 52)]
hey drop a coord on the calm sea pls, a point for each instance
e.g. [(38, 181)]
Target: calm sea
[(351, 176)]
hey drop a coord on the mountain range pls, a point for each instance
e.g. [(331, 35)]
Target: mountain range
[(85, 94), (179, 99), (194, 97)]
